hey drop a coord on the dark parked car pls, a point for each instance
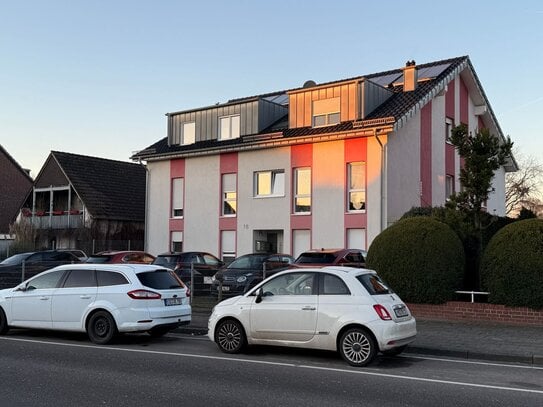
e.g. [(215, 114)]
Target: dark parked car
[(127, 256), (332, 257), (248, 270), (205, 266), (22, 266)]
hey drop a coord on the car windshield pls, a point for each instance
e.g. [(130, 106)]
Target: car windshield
[(319, 258), (373, 284), (160, 279), (16, 259), (169, 261), (247, 262)]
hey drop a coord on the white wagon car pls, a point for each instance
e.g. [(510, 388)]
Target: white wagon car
[(343, 309), (102, 300)]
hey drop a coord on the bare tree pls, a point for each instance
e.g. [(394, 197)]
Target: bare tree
[(523, 187)]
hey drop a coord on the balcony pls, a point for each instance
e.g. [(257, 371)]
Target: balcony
[(55, 219)]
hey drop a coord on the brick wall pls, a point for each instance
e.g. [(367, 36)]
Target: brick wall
[(477, 312)]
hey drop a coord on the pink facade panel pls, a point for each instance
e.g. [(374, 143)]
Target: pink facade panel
[(450, 100)]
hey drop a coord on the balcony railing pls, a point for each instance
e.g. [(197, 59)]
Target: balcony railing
[(55, 220)]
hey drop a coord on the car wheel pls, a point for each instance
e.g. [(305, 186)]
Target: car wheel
[(357, 347), (230, 337), (101, 328), (4, 327), (395, 351)]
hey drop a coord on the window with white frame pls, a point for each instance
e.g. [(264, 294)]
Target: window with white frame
[(302, 190), (326, 112), (189, 133), (449, 186), (177, 197), (229, 195), (448, 129), (228, 245), (356, 178), (177, 241), (229, 127), (269, 183)]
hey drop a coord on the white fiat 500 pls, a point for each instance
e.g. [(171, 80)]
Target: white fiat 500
[(333, 308), (102, 300)]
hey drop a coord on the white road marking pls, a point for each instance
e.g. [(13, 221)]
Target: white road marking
[(469, 362), (284, 364)]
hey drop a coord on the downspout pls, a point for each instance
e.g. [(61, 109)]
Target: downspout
[(383, 179)]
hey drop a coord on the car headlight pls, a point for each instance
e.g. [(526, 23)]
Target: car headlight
[(242, 279)]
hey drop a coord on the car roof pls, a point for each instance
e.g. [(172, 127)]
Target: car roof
[(130, 267), (338, 270)]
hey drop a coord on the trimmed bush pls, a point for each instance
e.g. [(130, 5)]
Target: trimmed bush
[(422, 260), (512, 265)]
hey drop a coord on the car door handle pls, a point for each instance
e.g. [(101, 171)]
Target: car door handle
[(84, 297), (309, 308), (44, 298)]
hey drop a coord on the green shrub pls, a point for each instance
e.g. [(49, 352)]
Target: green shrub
[(512, 265), (422, 259)]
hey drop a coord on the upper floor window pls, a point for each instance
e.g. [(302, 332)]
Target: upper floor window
[(269, 183), (229, 195), (177, 197), (229, 127), (356, 196), (302, 190), (189, 133), (326, 112)]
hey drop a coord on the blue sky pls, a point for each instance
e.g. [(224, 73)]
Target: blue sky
[(96, 78)]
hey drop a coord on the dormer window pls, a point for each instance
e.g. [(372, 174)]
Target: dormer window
[(326, 112), (229, 127), (189, 133)]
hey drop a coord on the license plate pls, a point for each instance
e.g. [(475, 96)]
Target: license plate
[(208, 280), (401, 311), (225, 288), (173, 301)]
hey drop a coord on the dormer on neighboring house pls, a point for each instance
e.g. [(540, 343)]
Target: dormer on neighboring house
[(223, 122), (333, 103)]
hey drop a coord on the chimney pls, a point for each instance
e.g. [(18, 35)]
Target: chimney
[(410, 76)]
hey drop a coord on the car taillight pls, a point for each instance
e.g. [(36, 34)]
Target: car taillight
[(144, 295), (382, 312)]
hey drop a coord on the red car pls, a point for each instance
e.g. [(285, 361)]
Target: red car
[(127, 256), (332, 257)]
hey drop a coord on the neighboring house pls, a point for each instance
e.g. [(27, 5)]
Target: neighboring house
[(15, 182), (325, 165), (88, 203)]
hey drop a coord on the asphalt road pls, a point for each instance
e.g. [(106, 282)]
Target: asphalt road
[(39, 368)]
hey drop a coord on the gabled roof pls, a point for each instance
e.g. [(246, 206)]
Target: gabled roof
[(109, 189), (16, 165), (396, 110)]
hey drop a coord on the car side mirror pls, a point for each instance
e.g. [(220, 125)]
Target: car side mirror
[(258, 294), (22, 288)]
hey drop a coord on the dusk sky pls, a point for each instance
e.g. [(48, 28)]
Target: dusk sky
[(96, 78)]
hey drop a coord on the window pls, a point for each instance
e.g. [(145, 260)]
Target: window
[(48, 280), (229, 127), (107, 278), (269, 183), (302, 190), (159, 279), (448, 129), (189, 133), (228, 246), (229, 196), (356, 174), (333, 285), (373, 284), (177, 197), (326, 112), (449, 186), (291, 284), (80, 278), (177, 241)]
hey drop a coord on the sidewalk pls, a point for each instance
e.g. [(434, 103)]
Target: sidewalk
[(490, 342)]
